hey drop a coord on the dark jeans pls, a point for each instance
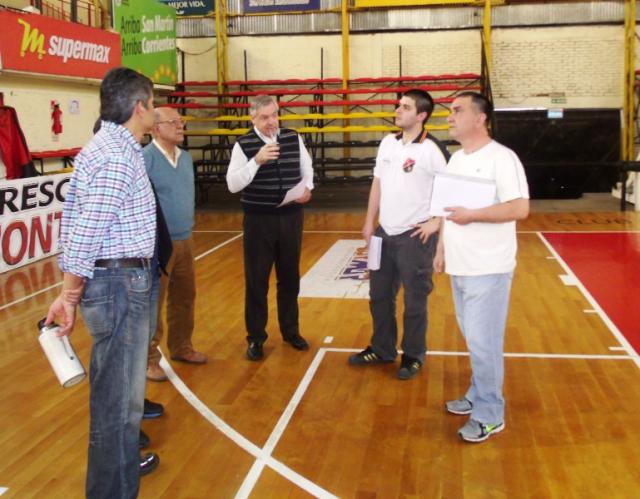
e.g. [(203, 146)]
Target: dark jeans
[(405, 260), (115, 307), (268, 240)]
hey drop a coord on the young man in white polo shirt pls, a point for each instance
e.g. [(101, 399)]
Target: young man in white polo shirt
[(401, 196), (478, 249)]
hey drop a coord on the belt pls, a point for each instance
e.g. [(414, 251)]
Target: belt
[(123, 263)]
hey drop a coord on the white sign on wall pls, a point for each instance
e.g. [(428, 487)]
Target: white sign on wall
[(30, 214)]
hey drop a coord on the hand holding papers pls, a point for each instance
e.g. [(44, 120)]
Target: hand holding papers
[(375, 251), (294, 193), (458, 190)]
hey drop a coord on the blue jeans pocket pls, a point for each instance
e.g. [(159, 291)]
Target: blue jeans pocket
[(97, 307)]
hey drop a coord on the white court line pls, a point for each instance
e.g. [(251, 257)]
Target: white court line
[(36, 293), (202, 255), (207, 231), (515, 355), (256, 470), (3, 490), (260, 454), (569, 280), (594, 304), (263, 456), (25, 298), (615, 349)]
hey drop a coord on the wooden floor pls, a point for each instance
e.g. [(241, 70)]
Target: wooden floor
[(308, 424)]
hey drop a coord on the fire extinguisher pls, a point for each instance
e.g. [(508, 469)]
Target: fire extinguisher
[(56, 118)]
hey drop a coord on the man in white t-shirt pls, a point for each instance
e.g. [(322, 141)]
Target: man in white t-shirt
[(401, 195), (478, 250)]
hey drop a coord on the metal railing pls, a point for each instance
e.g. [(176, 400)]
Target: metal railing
[(78, 11)]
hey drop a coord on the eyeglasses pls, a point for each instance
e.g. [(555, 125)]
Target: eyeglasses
[(173, 122)]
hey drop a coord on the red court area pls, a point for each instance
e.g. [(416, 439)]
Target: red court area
[(608, 265)]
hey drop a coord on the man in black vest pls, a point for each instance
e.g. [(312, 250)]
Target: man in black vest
[(265, 163)]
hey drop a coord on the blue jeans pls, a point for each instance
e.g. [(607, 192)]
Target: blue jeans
[(482, 305), (115, 307)]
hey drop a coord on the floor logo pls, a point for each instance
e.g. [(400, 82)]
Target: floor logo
[(340, 273)]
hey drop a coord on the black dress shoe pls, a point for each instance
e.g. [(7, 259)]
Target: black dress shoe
[(148, 463), (152, 410), (298, 342), (255, 351), (144, 440)]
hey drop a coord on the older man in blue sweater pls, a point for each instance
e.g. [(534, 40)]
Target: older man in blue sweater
[(171, 172)]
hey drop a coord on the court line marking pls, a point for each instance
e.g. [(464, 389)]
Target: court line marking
[(568, 280), (25, 298), (262, 455), (3, 490), (254, 473), (217, 247), (36, 293), (515, 355), (594, 304)]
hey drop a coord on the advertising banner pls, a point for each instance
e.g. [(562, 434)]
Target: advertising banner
[(148, 31), (191, 7), (38, 44), (30, 214), (262, 6)]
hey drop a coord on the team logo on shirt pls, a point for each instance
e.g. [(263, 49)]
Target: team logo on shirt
[(408, 165)]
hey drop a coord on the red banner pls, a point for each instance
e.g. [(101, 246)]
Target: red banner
[(39, 44)]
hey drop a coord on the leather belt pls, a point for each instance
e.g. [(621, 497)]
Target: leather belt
[(123, 263)]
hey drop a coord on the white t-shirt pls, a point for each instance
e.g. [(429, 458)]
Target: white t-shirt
[(406, 173), (485, 248)]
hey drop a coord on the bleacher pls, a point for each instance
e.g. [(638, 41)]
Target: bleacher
[(342, 127)]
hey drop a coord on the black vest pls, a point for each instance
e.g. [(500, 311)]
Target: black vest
[(272, 180)]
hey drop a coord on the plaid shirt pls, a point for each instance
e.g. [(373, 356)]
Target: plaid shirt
[(109, 210)]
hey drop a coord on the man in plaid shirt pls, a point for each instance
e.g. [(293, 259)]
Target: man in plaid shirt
[(108, 238)]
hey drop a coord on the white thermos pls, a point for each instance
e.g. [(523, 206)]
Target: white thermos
[(63, 359)]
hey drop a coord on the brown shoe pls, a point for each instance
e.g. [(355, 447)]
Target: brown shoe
[(192, 357), (155, 373)]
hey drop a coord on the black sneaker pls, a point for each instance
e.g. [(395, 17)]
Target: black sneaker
[(409, 367), (148, 463), (366, 358), (152, 410)]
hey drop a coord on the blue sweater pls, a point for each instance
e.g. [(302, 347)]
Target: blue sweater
[(175, 188)]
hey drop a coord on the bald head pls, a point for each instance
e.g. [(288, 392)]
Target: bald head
[(168, 129)]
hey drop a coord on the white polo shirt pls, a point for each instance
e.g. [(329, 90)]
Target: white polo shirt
[(406, 173), (485, 248)]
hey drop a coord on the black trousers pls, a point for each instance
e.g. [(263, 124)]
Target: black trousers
[(405, 260), (268, 240)]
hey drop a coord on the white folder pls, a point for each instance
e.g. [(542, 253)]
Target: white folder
[(374, 253), (460, 190)]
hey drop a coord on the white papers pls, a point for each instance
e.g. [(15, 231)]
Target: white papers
[(459, 190), (375, 252), (294, 193)]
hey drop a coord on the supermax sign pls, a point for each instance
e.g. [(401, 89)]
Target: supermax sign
[(30, 214), (67, 48), (39, 44)]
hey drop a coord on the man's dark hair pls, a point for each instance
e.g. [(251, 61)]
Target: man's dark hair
[(482, 104), (424, 102), (120, 90)]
